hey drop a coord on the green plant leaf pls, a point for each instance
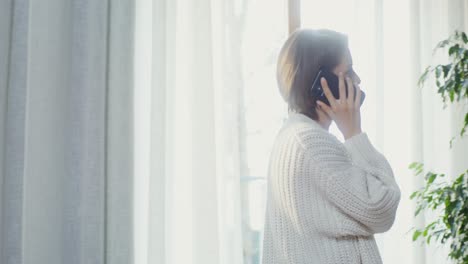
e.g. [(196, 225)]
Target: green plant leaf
[(464, 37), (417, 167), (424, 75), (416, 234), (413, 165), (428, 240), (454, 49), (431, 178), (438, 71), (446, 69), (418, 211)]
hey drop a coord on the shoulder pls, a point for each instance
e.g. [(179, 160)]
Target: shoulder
[(309, 133), (319, 143)]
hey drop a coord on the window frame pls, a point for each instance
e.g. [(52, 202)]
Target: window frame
[(294, 15)]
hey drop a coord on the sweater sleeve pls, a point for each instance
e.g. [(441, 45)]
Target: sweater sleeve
[(354, 179)]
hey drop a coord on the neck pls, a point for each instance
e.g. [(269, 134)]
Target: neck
[(324, 123), (323, 120)]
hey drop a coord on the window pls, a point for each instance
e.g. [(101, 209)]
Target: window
[(262, 35)]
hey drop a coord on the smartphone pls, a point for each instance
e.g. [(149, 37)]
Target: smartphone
[(333, 83)]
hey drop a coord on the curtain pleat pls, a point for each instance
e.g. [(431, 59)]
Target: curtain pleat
[(66, 122), (15, 135)]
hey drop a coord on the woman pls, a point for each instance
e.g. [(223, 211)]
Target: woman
[(326, 199)]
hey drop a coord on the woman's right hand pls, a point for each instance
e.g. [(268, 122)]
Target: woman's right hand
[(344, 111)]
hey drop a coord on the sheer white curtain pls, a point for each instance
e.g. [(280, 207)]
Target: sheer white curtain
[(194, 196), (432, 127), (65, 132)]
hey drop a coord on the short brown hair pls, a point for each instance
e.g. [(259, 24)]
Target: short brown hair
[(300, 58)]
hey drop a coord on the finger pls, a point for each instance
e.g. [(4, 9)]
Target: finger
[(342, 87), (328, 93), (326, 109), (357, 103), (350, 98)]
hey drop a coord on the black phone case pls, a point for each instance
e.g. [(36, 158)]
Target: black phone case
[(316, 89)]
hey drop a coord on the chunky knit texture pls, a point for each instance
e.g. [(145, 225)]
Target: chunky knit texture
[(326, 199)]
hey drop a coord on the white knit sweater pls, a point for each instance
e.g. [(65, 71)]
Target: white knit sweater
[(326, 199)]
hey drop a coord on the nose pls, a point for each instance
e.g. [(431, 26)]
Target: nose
[(356, 78)]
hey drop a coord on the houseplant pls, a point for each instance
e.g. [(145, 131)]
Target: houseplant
[(448, 198)]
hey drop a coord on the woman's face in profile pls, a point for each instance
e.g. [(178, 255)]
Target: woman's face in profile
[(346, 67)]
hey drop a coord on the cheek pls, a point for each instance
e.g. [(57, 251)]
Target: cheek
[(340, 68)]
